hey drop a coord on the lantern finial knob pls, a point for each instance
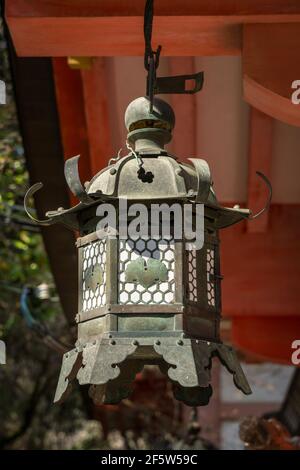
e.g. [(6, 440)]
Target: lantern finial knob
[(149, 129)]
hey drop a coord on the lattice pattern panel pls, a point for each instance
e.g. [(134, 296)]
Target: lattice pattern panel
[(210, 270), (134, 293), (192, 276), (94, 262)]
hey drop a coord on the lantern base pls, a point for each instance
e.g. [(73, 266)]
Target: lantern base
[(111, 363)]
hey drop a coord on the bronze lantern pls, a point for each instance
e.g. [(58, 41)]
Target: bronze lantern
[(146, 300)]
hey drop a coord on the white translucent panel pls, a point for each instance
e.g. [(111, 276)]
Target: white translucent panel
[(151, 245), (192, 276), (94, 255), (147, 297), (210, 266), (157, 297), (134, 297), (140, 245), (157, 293)]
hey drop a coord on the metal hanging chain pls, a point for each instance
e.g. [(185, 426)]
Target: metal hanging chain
[(148, 23), (151, 57), (156, 85)]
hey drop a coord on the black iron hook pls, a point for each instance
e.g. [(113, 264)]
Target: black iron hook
[(267, 205)]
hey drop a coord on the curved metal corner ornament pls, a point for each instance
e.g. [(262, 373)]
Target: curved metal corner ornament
[(31, 191), (72, 361), (101, 362), (118, 389), (73, 180), (267, 205), (228, 358), (146, 273), (190, 364), (204, 178)]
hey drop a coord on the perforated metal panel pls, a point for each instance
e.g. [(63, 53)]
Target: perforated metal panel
[(94, 256), (135, 293), (210, 270), (192, 275)]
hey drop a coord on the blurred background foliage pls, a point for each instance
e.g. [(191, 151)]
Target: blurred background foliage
[(28, 380)]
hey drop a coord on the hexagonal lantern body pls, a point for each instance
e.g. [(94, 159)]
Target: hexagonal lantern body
[(147, 299)]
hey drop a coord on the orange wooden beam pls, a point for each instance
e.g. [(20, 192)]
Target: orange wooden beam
[(267, 338), (107, 28), (262, 270), (121, 36), (96, 103), (260, 159), (270, 66), (70, 105), (260, 288), (108, 8)]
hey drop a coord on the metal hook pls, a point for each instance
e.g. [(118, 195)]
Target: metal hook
[(151, 57), (264, 209), (156, 85), (31, 191), (73, 180)]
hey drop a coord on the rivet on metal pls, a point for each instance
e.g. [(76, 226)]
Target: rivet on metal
[(112, 342), (180, 342)]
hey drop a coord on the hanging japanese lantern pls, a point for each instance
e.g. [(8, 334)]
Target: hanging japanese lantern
[(149, 291)]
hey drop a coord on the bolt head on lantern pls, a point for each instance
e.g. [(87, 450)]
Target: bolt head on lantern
[(147, 300)]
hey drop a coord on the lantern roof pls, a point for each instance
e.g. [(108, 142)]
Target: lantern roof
[(148, 173), (160, 178)]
